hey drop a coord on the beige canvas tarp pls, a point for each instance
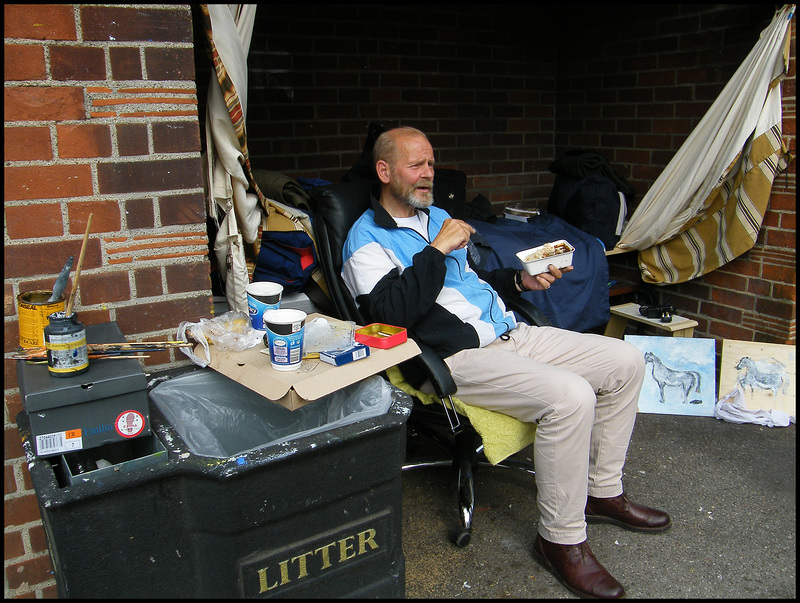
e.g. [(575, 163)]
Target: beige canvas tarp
[(707, 206)]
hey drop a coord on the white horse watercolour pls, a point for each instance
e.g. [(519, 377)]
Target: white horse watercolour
[(765, 372), (769, 375), (680, 376)]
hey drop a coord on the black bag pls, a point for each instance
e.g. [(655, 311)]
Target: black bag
[(364, 168), (586, 193), (591, 204)]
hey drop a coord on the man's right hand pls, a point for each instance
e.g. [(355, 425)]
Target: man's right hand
[(453, 235)]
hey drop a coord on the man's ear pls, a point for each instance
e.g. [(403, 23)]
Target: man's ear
[(382, 169)]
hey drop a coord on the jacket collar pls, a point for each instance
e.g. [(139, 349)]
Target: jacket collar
[(382, 217)]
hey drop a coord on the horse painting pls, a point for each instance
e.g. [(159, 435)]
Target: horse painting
[(667, 377), (764, 374)]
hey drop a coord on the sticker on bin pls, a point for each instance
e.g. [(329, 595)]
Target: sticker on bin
[(382, 336), (345, 356), (59, 442)]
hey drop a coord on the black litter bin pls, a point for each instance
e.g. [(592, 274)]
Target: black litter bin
[(313, 516)]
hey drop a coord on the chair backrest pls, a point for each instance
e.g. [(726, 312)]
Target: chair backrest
[(336, 207)]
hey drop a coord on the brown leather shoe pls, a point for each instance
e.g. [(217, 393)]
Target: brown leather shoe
[(577, 568), (626, 514)]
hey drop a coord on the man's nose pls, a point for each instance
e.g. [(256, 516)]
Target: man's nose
[(427, 172)]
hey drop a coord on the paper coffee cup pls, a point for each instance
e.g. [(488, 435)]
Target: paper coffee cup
[(262, 296), (284, 337)]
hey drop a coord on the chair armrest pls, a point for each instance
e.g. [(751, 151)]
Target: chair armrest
[(429, 366), (529, 312)]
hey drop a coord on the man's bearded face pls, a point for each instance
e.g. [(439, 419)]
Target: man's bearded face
[(418, 194)]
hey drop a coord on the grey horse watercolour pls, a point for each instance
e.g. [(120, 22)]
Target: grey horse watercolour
[(765, 372), (680, 375)]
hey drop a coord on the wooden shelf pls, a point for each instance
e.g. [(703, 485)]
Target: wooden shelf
[(621, 314)]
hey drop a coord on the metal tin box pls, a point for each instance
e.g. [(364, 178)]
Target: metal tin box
[(381, 336)]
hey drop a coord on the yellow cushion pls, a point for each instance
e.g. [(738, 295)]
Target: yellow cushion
[(502, 435)]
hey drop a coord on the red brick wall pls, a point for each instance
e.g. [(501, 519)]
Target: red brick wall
[(100, 118)]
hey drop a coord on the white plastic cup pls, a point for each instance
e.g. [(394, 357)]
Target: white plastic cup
[(262, 296), (284, 338)]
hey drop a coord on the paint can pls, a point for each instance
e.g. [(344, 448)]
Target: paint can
[(65, 341), (33, 312)]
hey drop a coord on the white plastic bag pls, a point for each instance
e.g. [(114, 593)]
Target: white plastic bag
[(231, 332), (732, 408)]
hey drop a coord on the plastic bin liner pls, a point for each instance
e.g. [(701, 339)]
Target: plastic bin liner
[(218, 417)]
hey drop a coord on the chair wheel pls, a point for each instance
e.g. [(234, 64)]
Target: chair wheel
[(461, 537)]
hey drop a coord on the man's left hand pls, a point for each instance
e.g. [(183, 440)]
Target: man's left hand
[(543, 281)]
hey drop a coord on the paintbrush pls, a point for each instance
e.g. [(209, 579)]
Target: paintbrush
[(68, 311), (61, 281)]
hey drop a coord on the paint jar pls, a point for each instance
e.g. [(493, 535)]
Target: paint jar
[(33, 312), (65, 341)]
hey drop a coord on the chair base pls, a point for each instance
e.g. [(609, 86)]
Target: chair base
[(464, 453)]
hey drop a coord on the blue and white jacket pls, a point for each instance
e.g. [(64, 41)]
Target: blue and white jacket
[(397, 278)]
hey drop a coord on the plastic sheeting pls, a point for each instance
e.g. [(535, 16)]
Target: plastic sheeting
[(218, 417)]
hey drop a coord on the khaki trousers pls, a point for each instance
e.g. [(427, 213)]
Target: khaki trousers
[(582, 390)]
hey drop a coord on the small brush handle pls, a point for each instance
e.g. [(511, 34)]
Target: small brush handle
[(68, 311)]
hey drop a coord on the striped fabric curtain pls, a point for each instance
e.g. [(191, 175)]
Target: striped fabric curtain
[(229, 30), (707, 206)]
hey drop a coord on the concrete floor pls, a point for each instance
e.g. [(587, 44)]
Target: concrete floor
[(730, 490)]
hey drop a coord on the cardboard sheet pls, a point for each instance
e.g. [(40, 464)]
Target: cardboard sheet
[(311, 381)]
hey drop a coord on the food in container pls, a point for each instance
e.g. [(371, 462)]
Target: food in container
[(536, 259)]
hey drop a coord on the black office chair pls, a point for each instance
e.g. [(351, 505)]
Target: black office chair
[(335, 208)]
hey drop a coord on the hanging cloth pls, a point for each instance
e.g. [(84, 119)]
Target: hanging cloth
[(707, 206), (229, 30)]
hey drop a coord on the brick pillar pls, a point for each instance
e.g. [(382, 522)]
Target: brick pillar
[(100, 109)]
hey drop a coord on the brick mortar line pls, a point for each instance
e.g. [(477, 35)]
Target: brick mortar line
[(83, 84), (77, 237), (140, 89), (41, 123), (188, 233), (109, 102), (133, 249), (93, 161), (101, 43), (128, 115)]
